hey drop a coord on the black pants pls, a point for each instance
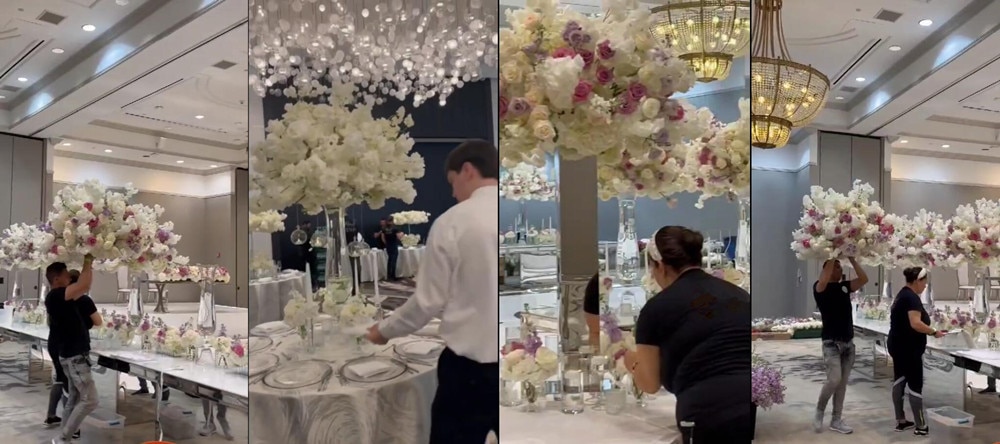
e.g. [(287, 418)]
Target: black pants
[(60, 374), (465, 407), (738, 430), (390, 270), (908, 366)]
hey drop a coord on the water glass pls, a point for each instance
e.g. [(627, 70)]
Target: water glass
[(614, 401), (511, 393), (572, 388)]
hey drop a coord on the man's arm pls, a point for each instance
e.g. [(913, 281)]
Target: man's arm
[(824, 277), (862, 278), (436, 266), (399, 235), (82, 285)]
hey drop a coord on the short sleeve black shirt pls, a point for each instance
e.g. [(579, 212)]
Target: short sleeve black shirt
[(834, 304), (701, 325), (391, 238), (592, 297), (67, 326), (902, 337)]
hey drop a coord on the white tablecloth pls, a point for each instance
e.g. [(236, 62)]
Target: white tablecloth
[(652, 424), (407, 266), (393, 412), (269, 296)]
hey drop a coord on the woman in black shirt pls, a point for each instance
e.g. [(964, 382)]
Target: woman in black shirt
[(692, 340), (592, 311), (908, 332)]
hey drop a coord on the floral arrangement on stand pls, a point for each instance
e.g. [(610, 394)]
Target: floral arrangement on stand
[(356, 312), (834, 225), (575, 82), (974, 233), (334, 155), (654, 176), (410, 218), (300, 313), (527, 361), (410, 240), (25, 246), (721, 161), (270, 221), (767, 384), (194, 273), (526, 182), (920, 241)]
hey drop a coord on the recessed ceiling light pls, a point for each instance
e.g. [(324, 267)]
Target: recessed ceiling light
[(57, 51), (89, 28), (180, 161), (926, 22), (67, 144), (213, 166), (108, 151), (904, 141), (945, 146), (22, 79), (199, 117), (168, 128), (3, 97), (840, 97), (895, 48), (860, 79)]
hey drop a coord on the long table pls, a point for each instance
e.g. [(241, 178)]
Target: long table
[(946, 377), (223, 386)]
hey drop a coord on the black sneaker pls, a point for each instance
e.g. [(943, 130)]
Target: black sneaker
[(901, 426), (988, 390), (52, 421), (921, 431), (141, 392), (76, 435)]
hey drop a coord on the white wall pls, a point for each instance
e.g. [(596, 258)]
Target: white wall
[(935, 170), (68, 170)]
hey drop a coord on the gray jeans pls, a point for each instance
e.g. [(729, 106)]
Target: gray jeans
[(839, 359), (82, 399)]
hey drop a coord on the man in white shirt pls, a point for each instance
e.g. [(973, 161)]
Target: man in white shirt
[(457, 282)]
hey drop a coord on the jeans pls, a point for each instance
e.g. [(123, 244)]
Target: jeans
[(82, 393), (390, 269), (465, 407), (839, 358)]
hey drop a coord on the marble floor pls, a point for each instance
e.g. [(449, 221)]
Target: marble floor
[(868, 406)]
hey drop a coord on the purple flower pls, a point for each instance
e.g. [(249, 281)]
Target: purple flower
[(662, 137), (519, 107), (532, 343), (609, 323), (162, 235), (767, 386)]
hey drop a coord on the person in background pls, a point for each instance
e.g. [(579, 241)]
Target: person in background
[(380, 242), (392, 237), (833, 299), (457, 282), (592, 311), (60, 387), (73, 339), (691, 340), (909, 327)]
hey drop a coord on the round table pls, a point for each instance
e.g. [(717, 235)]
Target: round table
[(407, 265), (268, 296), (392, 412)]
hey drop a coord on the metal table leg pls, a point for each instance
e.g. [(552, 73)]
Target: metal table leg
[(161, 306)]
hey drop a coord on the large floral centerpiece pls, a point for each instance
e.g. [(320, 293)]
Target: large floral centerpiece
[(720, 163), (920, 241), (834, 225), (974, 233), (334, 155), (590, 87), (270, 221), (406, 218), (526, 182), (654, 176), (194, 273), (767, 384), (25, 246)]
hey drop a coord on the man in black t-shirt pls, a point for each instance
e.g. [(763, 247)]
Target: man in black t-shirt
[(72, 334), (833, 299), (61, 385), (391, 238)]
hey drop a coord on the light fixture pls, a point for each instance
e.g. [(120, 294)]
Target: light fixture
[(945, 146), (3, 97), (840, 97), (22, 79), (926, 22), (180, 161), (787, 94), (860, 79), (89, 28), (904, 141), (199, 117), (121, 2), (57, 51), (895, 48), (707, 34), (107, 151), (67, 144), (213, 166)]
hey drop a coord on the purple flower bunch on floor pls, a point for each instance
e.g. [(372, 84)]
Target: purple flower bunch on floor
[(767, 386)]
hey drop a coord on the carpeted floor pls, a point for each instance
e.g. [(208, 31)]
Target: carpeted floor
[(868, 406)]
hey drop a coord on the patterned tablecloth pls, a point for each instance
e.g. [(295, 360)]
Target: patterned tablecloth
[(269, 296), (392, 412), (652, 424)]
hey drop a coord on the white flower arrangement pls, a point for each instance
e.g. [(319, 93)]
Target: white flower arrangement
[(410, 240), (270, 221), (518, 365), (974, 233), (720, 163), (920, 241), (34, 314), (573, 82), (333, 298), (334, 155), (834, 225), (300, 312), (654, 175), (410, 217), (194, 273), (261, 263), (357, 313), (526, 182), (548, 236)]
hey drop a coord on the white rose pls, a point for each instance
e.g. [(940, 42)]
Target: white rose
[(650, 108)]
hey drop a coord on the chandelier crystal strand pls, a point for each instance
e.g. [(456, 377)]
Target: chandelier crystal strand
[(786, 94), (398, 48), (708, 34)]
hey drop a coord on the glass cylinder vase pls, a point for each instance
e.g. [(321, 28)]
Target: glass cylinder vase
[(614, 400), (336, 253), (627, 254), (510, 393), (14, 298), (136, 309), (743, 236), (308, 335), (206, 308)]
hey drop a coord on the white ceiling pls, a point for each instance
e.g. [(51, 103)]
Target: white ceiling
[(939, 89), (133, 86)]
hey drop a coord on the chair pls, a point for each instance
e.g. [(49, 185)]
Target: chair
[(123, 287), (153, 293), (964, 289)]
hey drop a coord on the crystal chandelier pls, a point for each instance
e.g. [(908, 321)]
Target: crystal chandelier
[(708, 34), (786, 94), (398, 48)]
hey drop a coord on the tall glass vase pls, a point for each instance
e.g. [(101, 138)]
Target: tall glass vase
[(136, 309), (206, 308), (336, 252), (627, 256), (14, 297), (743, 236)]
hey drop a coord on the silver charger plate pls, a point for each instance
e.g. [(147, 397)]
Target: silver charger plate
[(398, 368), (258, 344), (261, 362), (402, 350), (298, 374)]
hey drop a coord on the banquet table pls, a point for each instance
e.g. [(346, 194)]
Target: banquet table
[(339, 410), (651, 424), (407, 266), (268, 296)]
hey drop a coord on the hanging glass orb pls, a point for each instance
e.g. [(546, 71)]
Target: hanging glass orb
[(299, 237), (319, 240), (358, 248)]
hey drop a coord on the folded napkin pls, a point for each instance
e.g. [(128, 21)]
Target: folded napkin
[(270, 328), (422, 348), (369, 368)]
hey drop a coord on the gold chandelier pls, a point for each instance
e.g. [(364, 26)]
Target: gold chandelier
[(786, 94), (707, 34)]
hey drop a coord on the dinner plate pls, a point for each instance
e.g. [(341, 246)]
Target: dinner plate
[(262, 362), (394, 368), (298, 374), (258, 344), (415, 350), (270, 329)]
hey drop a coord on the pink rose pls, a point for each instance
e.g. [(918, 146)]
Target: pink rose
[(604, 50), (89, 206), (679, 114), (503, 106), (628, 107), (636, 91), (605, 74), (563, 53), (92, 241), (582, 91), (587, 56)]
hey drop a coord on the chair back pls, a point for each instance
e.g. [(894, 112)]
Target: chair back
[(963, 275), (122, 278)]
